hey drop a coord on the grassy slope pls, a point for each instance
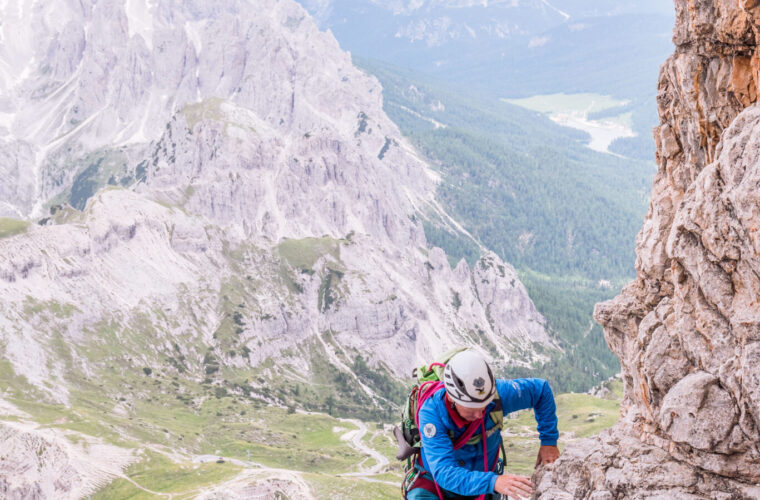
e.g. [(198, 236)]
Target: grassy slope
[(12, 227), (170, 431), (158, 474), (142, 390), (170, 434)]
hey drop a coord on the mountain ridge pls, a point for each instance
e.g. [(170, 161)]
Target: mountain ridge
[(252, 237)]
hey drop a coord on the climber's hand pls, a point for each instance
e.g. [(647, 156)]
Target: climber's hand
[(513, 486), (547, 455)]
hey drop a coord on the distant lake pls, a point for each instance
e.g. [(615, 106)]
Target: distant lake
[(609, 118)]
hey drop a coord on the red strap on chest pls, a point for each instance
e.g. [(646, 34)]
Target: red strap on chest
[(468, 433)]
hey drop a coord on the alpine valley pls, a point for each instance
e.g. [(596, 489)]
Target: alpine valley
[(562, 205), (210, 230)]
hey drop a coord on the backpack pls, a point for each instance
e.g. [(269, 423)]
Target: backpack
[(429, 381)]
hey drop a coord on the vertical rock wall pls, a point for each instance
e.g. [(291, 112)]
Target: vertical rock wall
[(687, 330)]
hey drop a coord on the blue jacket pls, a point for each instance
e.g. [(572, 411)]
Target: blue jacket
[(462, 471)]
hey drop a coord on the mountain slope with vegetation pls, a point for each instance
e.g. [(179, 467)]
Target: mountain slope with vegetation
[(209, 216), (565, 216)]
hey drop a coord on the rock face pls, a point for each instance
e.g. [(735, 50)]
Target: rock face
[(43, 463), (687, 331), (270, 484)]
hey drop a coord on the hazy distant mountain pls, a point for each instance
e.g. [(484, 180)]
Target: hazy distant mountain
[(439, 35), (515, 47), (522, 16)]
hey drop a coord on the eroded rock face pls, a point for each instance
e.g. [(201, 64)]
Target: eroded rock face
[(687, 331), (40, 463)]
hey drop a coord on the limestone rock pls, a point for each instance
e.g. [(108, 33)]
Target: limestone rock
[(686, 331), (41, 463), (248, 155), (616, 465)]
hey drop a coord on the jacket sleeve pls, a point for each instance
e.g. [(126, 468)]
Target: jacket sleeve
[(439, 457), (523, 393)]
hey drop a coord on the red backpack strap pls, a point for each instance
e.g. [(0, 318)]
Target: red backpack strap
[(425, 392)]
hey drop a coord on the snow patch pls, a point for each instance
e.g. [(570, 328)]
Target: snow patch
[(560, 12), (193, 31), (140, 20), (538, 41)]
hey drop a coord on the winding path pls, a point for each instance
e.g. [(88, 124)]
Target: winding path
[(255, 473), (354, 439)]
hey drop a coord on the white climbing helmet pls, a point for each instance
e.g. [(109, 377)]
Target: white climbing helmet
[(469, 381)]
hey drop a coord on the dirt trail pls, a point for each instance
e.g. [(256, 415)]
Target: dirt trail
[(258, 481), (354, 439)]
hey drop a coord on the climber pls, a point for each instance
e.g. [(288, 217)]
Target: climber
[(454, 461)]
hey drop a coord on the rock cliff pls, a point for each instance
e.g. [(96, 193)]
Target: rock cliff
[(46, 463), (216, 195), (687, 331)]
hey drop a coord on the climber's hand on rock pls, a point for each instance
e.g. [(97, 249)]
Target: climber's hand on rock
[(514, 486), (547, 455)]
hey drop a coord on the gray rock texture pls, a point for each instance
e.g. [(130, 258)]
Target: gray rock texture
[(42, 463), (687, 331)]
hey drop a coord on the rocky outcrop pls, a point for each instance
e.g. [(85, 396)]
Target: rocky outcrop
[(269, 484), (687, 331), (42, 463)]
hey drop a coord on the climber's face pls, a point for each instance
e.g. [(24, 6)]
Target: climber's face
[(469, 414)]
